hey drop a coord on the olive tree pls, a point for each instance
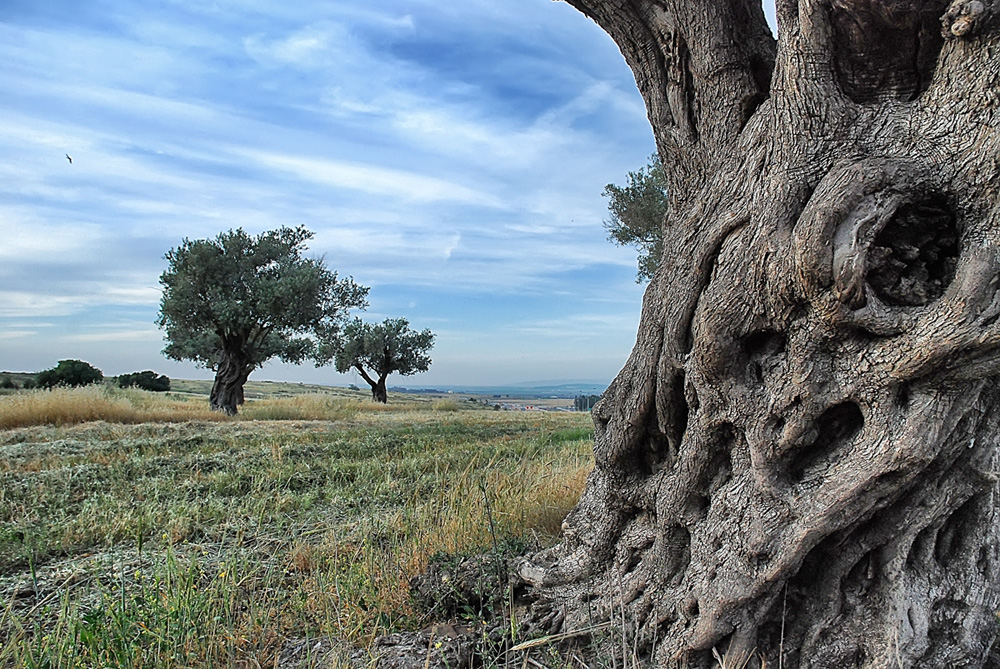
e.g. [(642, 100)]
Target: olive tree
[(234, 302), (798, 461), (376, 350)]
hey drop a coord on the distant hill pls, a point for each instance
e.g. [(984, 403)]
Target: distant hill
[(522, 390)]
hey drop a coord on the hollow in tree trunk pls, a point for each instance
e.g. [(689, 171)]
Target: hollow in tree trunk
[(230, 377), (798, 461)]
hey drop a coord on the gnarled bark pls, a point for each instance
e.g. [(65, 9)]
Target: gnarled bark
[(798, 461), (231, 375)]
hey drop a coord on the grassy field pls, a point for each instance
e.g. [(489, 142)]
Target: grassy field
[(142, 530)]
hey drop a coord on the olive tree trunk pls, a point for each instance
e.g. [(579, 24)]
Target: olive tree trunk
[(379, 392), (230, 377), (797, 463)]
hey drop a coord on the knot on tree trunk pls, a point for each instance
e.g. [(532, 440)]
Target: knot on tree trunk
[(967, 18)]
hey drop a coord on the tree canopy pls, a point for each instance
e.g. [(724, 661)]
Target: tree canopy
[(70, 373), (376, 350), (637, 210), (234, 302)]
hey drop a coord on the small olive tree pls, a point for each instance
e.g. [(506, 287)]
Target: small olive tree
[(234, 302), (376, 350)]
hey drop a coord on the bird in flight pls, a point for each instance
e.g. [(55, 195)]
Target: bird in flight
[(69, 158)]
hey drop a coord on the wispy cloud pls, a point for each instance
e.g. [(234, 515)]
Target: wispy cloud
[(371, 179), (10, 334), (31, 240), (118, 332)]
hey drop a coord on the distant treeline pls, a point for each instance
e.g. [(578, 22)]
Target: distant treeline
[(147, 380), (72, 373)]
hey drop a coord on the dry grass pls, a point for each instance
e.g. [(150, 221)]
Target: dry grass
[(70, 406), (531, 500), (303, 407)]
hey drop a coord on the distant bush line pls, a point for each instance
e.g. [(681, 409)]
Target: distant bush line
[(147, 380), (77, 373)]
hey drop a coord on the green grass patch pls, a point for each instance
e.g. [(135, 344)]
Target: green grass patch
[(211, 541)]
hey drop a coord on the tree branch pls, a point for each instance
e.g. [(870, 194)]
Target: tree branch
[(365, 376)]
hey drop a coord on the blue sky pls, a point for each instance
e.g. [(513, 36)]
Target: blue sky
[(450, 155)]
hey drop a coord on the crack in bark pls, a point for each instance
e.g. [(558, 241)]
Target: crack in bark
[(704, 264)]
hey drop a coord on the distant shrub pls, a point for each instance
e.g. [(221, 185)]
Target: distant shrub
[(445, 405), (29, 383), (147, 380), (70, 373), (7, 383)]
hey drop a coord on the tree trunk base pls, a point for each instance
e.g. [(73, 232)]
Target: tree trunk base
[(708, 565), (227, 389), (379, 392)]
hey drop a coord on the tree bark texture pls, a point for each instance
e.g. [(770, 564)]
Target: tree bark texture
[(798, 462), (230, 377), (379, 392)]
